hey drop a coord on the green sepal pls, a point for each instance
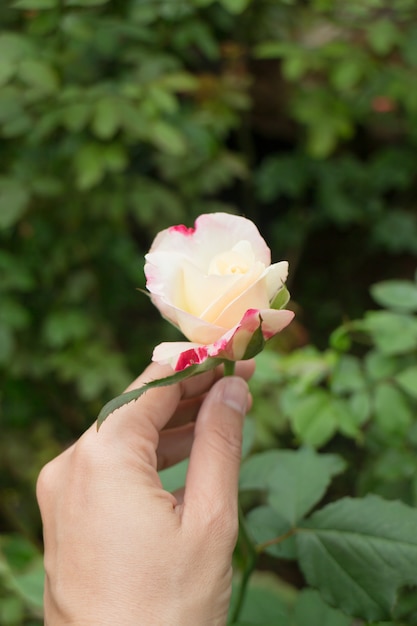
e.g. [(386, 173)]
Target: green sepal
[(256, 343), (134, 394), (281, 298)]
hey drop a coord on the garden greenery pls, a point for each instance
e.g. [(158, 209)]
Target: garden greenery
[(118, 119)]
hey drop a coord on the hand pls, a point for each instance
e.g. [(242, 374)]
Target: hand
[(119, 549)]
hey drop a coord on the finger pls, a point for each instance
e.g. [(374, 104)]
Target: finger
[(154, 409), (174, 446), (188, 409), (212, 478), (149, 414)]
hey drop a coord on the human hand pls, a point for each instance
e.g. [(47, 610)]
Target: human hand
[(119, 549)]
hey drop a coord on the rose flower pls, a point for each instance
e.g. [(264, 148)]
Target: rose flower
[(215, 282)]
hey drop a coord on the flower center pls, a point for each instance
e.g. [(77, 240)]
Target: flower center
[(238, 260)]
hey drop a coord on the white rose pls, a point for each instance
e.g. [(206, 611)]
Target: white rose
[(214, 282)]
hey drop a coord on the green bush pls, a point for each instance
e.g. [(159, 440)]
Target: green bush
[(118, 119)]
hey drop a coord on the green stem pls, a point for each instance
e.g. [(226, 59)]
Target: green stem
[(261, 547), (250, 555), (246, 545), (229, 368)]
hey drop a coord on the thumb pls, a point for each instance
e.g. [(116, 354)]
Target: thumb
[(212, 479)]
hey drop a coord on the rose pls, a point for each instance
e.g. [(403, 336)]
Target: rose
[(215, 282)]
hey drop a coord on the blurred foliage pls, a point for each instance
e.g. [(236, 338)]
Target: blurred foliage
[(118, 119)]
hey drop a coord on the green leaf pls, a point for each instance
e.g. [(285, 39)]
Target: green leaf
[(14, 47), (379, 365), (383, 35), (235, 6), (167, 138), (311, 610), (115, 157), (85, 3), (90, 166), (360, 406), (179, 81), (30, 584), (265, 525), (134, 394), (396, 294), (347, 375), (392, 412), (393, 333), (314, 419), (407, 380), (106, 118), (295, 480), (14, 274), (281, 298), (348, 421), (6, 344), (76, 116), (347, 73), (255, 471), (14, 199), (296, 64), (39, 74), (7, 69), (267, 601), (173, 477), (274, 50), (66, 326), (35, 5), (22, 565), (300, 480), (340, 339), (359, 553)]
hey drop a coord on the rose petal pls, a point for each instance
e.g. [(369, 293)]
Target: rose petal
[(202, 291), (164, 276), (255, 296), (196, 329), (276, 275), (213, 234), (168, 352), (274, 321), (232, 345), (245, 291)]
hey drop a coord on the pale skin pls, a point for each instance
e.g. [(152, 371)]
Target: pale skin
[(121, 550)]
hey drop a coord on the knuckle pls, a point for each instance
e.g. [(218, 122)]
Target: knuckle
[(219, 523), (46, 481)]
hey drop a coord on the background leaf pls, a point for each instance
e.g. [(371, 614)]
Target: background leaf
[(359, 553)]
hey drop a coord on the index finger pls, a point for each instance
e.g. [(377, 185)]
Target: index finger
[(155, 408)]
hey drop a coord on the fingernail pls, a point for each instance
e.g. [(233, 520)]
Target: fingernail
[(235, 393)]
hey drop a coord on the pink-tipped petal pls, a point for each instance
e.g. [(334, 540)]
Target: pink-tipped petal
[(194, 356), (213, 234), (275, 321), (168, 353)]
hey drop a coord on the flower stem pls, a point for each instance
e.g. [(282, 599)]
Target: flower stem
[(247, 548), (250, 557), (229, 368)]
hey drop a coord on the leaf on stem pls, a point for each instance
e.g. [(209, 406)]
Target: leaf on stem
[(134, 394), (359, 553)]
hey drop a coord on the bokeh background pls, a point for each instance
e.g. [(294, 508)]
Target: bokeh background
[(121, 118)]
